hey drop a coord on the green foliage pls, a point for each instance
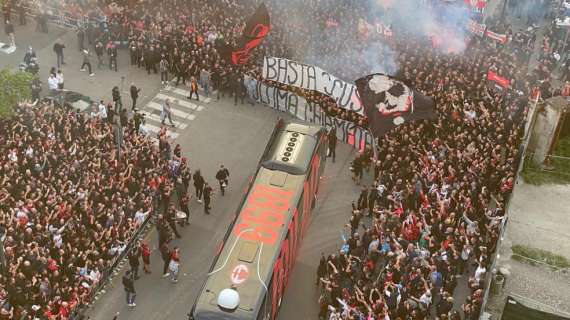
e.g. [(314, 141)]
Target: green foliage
[(560, 172), (15, 87), (543, 256)]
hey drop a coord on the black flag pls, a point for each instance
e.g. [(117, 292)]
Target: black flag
[(388, 103), (256, 29)]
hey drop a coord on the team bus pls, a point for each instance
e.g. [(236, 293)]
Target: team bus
[(249, 274)]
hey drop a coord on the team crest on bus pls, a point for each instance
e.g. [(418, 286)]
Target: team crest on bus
[(239, 274)]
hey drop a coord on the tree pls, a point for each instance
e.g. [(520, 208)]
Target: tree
[(15, 87)]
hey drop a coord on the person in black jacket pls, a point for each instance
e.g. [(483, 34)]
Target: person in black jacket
[(99, 50), (58, 49), (372, 199), (207, 197), (332, 143), (134, 261), (362, 202), (149, 59), (80, 38), (133, 52), (238, 88), (162, 229), (165, 254), (134, 94), (180, 71), (112, 52), (198, 184), (129, 285), (184, 206), (21, 9), (222, 176), (9, 30), (170, 217)]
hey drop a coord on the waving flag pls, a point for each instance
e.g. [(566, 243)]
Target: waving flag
[(256, 29), (388, 103)]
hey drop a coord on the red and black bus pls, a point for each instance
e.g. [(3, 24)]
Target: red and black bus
[(248, 277)]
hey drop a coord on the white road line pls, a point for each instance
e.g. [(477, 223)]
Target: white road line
[(179, 124), (6, 48), (176, 112), (177, 101), (155, 129), (186, 93), (150, 127)]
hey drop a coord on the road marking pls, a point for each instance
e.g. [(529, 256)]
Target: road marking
[(176, 112), (6, 48), (186, 93), (179, 124), (177, 101), (155, 129)]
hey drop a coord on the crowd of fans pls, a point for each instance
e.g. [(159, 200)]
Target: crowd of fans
[(69, 205), (431, 215), (433, 211)]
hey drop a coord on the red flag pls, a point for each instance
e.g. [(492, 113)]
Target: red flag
[(502, 38), (503, 82), (256, 29), (479, 4)]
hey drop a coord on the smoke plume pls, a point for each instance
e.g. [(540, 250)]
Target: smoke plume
[(340, 47)]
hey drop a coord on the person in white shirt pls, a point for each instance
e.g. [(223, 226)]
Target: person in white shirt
[(425, 299), (59, 77), (480, 272), (52, 83), (140, 216), (166, 112), (102, 110)]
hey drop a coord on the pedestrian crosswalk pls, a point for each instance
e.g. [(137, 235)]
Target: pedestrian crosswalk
[(183, 111), (6, 48)]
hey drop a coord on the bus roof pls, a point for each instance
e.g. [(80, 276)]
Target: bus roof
[(293, 147), (246, 264), (247, 258)]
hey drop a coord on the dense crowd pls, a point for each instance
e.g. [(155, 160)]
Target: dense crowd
[(431, 215), (69, 206), (433, 211)]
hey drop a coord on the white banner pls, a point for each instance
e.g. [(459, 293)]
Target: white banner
[(297, 106), (309, 77)]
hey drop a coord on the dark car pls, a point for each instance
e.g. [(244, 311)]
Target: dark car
[(70, 98)]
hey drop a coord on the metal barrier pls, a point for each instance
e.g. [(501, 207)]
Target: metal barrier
[(531, 116), (107, 275), (58, 16)]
